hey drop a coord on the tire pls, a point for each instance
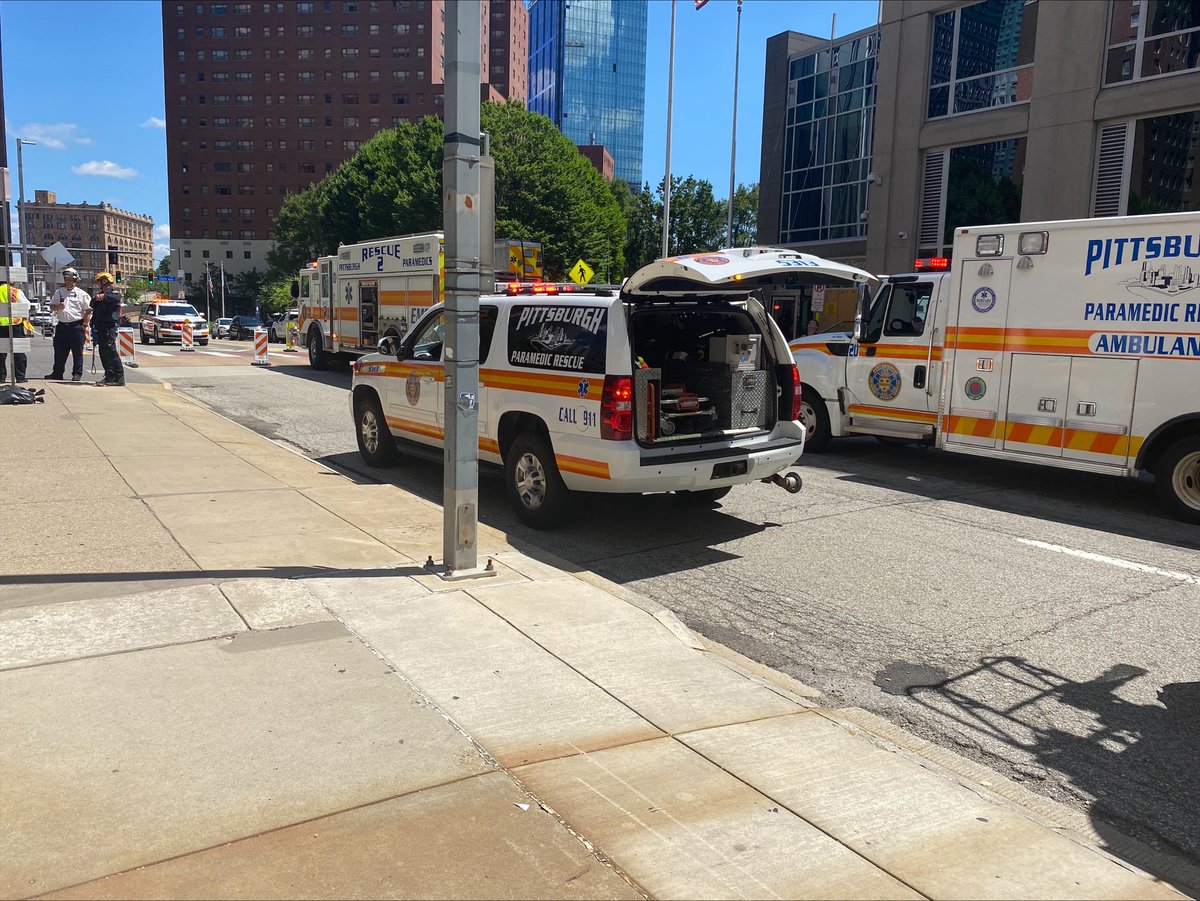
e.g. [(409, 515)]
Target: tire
[(1177, 479), (704, 496), (158, 338), (531, 479), (375, 441), (317, 358), (142, 333), (815, 419)]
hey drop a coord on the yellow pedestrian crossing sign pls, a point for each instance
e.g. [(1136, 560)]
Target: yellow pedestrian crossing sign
[(581, 273)]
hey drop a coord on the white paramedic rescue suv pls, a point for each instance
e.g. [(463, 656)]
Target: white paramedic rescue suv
[(681, 383), (1073, 344)]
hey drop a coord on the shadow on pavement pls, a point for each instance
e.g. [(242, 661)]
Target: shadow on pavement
[(1134, 763), (1120, 506)]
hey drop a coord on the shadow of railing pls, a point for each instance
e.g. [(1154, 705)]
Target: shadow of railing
[(1135, 763)]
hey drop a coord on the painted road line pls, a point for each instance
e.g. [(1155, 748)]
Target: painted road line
[(217, 353), (1113, 561), (154, 353)]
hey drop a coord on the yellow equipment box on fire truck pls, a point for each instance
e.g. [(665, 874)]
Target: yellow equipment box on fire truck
[(366, 292)]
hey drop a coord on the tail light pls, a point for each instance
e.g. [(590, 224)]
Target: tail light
[(790, 392), (616, 408)]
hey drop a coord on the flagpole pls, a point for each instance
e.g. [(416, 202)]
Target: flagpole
[(207, 286), (667, 177), (222, 289), (737, 57)]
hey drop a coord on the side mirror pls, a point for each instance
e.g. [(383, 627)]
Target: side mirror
[(389, 345), (295, 289)]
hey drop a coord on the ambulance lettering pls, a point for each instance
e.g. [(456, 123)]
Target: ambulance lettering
[(1117, 251)]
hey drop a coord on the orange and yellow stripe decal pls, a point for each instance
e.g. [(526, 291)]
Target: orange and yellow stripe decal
[(582, 466), (900, 351), (416, 428), (1042, 341), (918, 416), (1080, 440), (539, 383)]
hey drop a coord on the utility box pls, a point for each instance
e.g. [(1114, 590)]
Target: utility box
[(737, 351)]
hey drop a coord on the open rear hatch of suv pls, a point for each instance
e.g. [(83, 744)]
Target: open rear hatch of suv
[(708, 363)]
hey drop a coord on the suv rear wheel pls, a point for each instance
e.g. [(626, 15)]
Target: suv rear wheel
[(375, 441), (535, 489)]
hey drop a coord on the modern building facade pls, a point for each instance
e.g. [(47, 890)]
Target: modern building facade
[(89, 231), (993, 111), (265, 98), (587, 73)]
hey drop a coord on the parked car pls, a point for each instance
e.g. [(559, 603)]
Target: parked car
[(241, 327), (277, 331), (221, 327), (42, 319)]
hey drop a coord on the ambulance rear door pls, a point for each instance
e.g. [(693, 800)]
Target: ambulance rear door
[(976, 392)]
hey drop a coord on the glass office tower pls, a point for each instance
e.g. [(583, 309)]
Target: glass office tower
[(587, 72)]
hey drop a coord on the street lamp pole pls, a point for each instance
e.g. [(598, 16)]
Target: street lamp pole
[(21, 142)]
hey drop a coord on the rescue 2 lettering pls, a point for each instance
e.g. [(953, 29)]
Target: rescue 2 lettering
[(1115, 251), (1142, 312)]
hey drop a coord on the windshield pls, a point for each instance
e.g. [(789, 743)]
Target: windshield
[(178, 310)]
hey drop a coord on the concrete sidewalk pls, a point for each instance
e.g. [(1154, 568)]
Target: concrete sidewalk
[(224, 674)]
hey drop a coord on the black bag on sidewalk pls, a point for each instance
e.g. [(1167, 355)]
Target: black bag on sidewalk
[(14, 394)]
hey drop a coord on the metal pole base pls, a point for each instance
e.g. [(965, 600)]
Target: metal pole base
[(458, 575)]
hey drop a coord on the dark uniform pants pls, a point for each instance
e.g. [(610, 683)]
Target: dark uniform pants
[(20, 360), (68, 339), (106, 340)]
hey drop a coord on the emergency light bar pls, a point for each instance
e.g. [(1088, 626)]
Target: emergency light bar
[(931, 264)]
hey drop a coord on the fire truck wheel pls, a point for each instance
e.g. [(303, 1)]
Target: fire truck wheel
[(317, 358), (375, 441), (1177, 478), (815, 419), (535, 489)]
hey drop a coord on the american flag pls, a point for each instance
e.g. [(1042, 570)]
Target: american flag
[(210, 284)]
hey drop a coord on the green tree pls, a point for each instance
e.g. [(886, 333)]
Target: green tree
[(164, 266), (697, 218), (643, 225), (546, 191), (745, 216), (974, 197)]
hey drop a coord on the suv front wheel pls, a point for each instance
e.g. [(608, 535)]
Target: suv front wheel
[(535, 489)]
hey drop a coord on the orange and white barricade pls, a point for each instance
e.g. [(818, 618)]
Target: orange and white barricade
[(260, 348), (187, 342), (125, 347)]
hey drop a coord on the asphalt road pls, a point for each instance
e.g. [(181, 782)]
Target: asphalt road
[(1043, 622)]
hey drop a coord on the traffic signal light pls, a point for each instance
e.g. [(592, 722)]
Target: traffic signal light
[(150, 276), (118, 276), (112, 255)]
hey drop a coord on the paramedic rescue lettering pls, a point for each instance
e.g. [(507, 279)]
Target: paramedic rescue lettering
[(1180, 346), (1117, 251), (552, 337)]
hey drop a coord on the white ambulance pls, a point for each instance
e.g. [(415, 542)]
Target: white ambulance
[(1073, 344), (366, 292), (682, 383)]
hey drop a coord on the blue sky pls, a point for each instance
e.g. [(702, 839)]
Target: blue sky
[(98, 115)]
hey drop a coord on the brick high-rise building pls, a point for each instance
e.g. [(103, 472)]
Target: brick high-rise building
[(265, 98), (88, 230)]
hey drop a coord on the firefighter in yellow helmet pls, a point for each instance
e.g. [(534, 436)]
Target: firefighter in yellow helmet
[(106, 317)]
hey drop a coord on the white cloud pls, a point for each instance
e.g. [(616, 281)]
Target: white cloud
[(53, 136), (160, 251), (154, 122), (105, 168), (162, 232)]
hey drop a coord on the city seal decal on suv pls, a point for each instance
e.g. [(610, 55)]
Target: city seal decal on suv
[(558, 337)]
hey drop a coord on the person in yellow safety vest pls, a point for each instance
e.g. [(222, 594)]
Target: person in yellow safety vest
[(16, 327)]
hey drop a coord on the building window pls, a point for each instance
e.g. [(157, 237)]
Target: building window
[(306, 145), (350, 76), (304, 77), (349, 31), (350, 146), (304, 8), (217, 77), (349, 53), (244, 100), (304, 31), (349, 121), (400, 28), (305, 99), (1166, 41), (242, 31), (220, 54), (982, 57), (242, 54), (400, 53), (306, 122), (217, 32), (243, 77), (373, 30)]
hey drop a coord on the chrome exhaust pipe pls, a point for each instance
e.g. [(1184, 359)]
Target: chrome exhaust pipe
[(788, 481)]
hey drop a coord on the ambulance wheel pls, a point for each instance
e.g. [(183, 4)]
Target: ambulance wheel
[(704, 496), (1177, 478), (317, 358), (815, 419), (375, 441), (535, 489)]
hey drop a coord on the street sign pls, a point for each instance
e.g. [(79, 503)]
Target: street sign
[(181, 296), (581, 273), (818, 298), (165, 278), (57, 256)]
